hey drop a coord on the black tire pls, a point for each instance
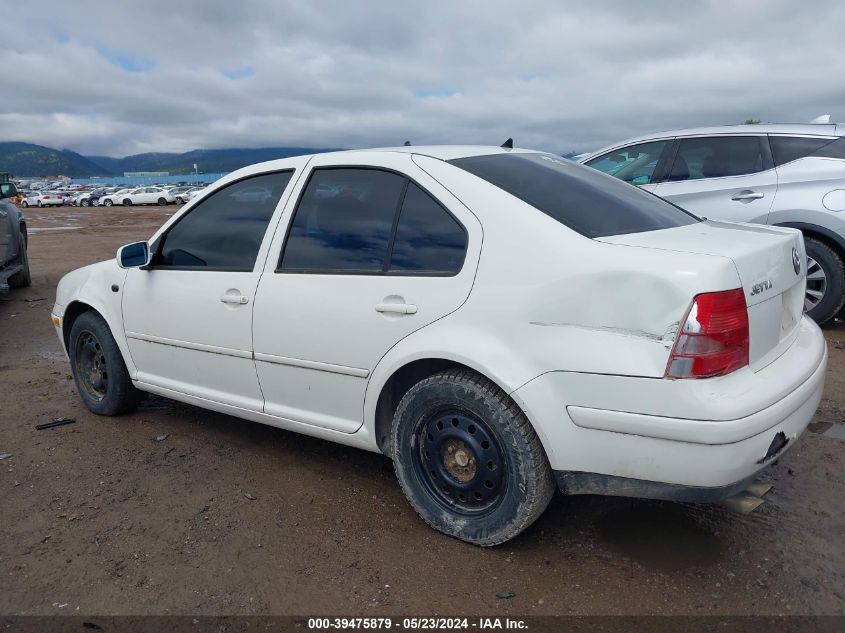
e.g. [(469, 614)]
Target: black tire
[(98, 369), (86, 203), (162, 202), (108, 202), (40, 204), (127, 202), (468, 460), (833, 286), (179, 200), (22, 278), (24, 204)]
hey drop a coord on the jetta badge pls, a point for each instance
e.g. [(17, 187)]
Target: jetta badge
[(796, 261)]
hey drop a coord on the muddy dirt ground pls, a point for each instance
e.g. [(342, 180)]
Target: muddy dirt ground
[(176, 510)]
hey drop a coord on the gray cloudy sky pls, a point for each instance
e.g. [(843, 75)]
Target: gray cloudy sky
[(120, 77)]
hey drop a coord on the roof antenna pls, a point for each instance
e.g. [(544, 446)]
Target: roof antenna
[(406, 144), (825, 118), (508, 144)]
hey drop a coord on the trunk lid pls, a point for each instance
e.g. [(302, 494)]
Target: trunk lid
[(764, 258)]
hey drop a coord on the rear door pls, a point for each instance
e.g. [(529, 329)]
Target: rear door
[(371, 254), (722, 177)]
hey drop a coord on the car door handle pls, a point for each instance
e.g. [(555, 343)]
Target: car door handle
[(236, 299), (748, 195), (396, 308)]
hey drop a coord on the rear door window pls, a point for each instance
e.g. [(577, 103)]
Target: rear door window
[(634, 164), (717, 157), (343, 222), (428, 239), (584, 199)]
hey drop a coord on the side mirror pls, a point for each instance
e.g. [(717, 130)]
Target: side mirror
[(133, 255)]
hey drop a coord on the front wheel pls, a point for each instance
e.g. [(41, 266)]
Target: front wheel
[(825, 292), (127, 202), (40, 204), (25, 204), (108, 203), (162, 202), (98, 369), (86, 203), (468, 459)]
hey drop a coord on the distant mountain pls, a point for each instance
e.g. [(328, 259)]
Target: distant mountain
[(26, 159), (206, 160)]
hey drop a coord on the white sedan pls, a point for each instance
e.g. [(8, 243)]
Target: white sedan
[(42, 199), (140, 195), (496, 321)]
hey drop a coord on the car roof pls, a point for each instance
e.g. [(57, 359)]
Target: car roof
[(442, 152), (798, 129)]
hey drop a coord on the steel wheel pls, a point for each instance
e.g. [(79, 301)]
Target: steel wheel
[(816, 284), (91, 365), (460, 462)]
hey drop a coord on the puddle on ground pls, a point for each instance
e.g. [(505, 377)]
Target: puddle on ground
[(662, 536)]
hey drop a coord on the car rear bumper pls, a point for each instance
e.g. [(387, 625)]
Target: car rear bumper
[(702, 454)]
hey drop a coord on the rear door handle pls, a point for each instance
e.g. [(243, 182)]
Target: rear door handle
[(236, 299), (748, 195), (396, 308)]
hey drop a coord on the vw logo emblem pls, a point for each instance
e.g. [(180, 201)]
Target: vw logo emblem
[(796, 261)]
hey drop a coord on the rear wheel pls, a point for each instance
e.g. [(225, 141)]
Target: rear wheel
[(162, 202), (98, 369), (40, 204), (22, 278), (825, 281), (86, 203), (24, 204), (468, 459)]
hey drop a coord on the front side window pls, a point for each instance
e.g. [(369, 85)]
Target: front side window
[(225, 230), (717, 157), (343, 221), (585, 200), (634, 164)]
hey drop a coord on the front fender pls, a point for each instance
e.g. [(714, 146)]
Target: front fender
[(92, 286)]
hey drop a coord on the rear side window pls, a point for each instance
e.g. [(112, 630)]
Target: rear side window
[(786, 149), (225, 230), (584, 199), (717, 157), (343, 221), (428, 239), (634, 164)]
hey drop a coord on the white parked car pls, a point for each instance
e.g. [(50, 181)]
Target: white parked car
[(42, 199), (138, 196), (782, 175), (496, 321)]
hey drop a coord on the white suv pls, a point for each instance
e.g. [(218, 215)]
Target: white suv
[(496, 321), (782, 175)]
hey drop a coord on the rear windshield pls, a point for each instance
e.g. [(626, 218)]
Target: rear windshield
[(584, 199)]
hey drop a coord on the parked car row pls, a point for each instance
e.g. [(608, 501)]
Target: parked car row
[(109, 196)]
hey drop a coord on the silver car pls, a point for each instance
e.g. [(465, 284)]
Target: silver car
[(784, 175)]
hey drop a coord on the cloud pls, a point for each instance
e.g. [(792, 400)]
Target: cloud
[(115, 78)]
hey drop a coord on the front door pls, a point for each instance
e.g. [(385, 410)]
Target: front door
[(371, 255), (722, 178), (188, 319)]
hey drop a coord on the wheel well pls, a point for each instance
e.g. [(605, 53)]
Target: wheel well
[(72, 313), (397, 386)]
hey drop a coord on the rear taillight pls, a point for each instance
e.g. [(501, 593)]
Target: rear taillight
[(713, 339)]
